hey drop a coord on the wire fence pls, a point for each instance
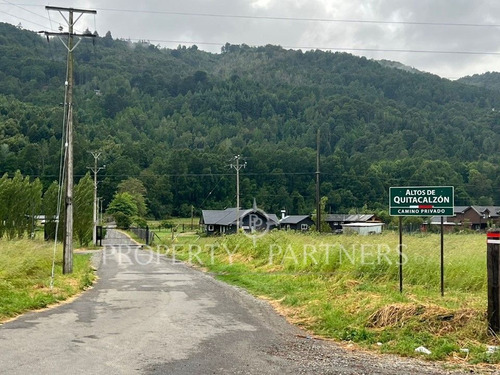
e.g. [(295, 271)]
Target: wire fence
[(144, 234)]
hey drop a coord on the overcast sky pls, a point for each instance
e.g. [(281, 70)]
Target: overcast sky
[(451, 38)]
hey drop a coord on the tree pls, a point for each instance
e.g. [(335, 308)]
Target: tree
[(123, 209), (3, 207), (84, 210), (17, 198), (49, 203), (325, 228), (49, 209), (137, 191), (20, 201), (35, 203)]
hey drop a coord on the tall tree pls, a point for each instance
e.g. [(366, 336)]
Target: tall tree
[(123, 208), (136, 189), (49, 210), (83, 211)]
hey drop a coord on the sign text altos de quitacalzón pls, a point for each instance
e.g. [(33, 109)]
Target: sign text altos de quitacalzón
[(421, 201)]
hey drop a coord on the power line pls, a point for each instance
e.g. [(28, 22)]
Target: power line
[(301, 47), (26, 10), (325, 48), (190, 175), (330, 175), (23, 19), (29, 11), (328, 48), (281, 18), (302, 19)]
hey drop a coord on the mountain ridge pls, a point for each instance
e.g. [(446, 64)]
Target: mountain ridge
[(174, 118)]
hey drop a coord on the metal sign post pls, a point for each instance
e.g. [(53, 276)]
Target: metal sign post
[(421, 201), (400, 254)]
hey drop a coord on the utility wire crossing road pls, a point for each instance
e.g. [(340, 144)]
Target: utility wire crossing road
[(150, 315)]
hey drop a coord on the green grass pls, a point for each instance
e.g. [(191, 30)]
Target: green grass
[(25, 271), (347, 287), (181, 224)]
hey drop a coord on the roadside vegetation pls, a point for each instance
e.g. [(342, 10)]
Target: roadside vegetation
[(347, 287), (25, 272)]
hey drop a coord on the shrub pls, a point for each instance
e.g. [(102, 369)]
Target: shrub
[(122, 221)]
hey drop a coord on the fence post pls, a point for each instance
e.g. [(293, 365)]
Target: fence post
[(98, 230), (493, 265), (147, 235)]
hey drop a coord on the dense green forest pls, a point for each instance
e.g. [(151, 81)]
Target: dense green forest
[(489, 80), (174, 119)]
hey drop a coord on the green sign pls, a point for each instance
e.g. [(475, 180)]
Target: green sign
[(421, 201)]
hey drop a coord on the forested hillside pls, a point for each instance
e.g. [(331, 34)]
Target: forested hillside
[(175, 118), (489, 80)]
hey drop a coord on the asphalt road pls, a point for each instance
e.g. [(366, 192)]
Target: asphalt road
[(150, 315)]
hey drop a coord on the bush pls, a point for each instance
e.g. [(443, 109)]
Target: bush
[(139, 222), (122, 220), (165, 224)]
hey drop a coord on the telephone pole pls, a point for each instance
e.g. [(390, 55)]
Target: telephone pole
[(237, 167), (68, 116), (318, 197), (96, 170)]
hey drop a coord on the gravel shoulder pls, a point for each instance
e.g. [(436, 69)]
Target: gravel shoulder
[(287, 349)]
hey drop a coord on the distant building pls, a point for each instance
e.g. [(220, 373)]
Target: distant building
[(469, 217), (251, 220), (296, 222), (363, 228), (225, 221), (435, 221), (337, 221), (476, 217)]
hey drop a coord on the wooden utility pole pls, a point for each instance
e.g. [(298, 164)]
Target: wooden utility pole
[(318, 197), (192, 217), (100, 200), (68, 115), (95, 169), (237, 167)]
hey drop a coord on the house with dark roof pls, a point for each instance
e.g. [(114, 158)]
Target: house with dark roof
[(470, 217), (225, 221), (296, 222)]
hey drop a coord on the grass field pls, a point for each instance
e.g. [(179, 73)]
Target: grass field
[(178, 221), (25, 271), (347, 287)]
